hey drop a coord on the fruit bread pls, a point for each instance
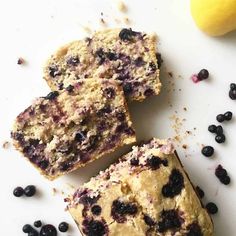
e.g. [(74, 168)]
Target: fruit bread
[(122, 54), (63, 131), (146, 193)]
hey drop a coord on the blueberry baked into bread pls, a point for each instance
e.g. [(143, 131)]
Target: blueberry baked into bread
[(121, 54), (63, 131), (146, 193)]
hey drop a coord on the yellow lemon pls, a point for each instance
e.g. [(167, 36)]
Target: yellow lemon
[(214, 17)]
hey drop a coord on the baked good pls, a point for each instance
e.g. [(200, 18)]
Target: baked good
[(63, 131), (146, 193), (121, 54)]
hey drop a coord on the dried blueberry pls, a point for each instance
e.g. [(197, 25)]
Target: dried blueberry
[(220, 118), (200, 192), (219, 130), (220, 138), (194, 230), (109, 93), (63, 227), (73, 61), (203, 74), (48, 230), (212, 128), (228, 115), (127, 34), (232, 94), (96, 210), (18, 192), (222, 175), (170, 220), (38, 223), (127, 87), (174, 185), (207, 151), (232, 86), (94, 228), (139, 62), (54, 71), (211, 208), (30, 190), (52, 95), (134, 162)]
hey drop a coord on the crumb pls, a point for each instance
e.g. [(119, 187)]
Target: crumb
[(87, 29), (185, 109), (6, 145), (20, 61), (126, 20), (170, 74), (188, 132), (121, 6), (54, 191), (101, 13), (194, 128), (184, 146), (180, 90), (103, 22)]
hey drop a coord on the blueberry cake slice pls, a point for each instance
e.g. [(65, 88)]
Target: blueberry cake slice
[(122, 54), (63, 131), (146, 193)]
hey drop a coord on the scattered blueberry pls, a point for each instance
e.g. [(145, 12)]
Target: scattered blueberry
[(232, 92), (30, 190), (52, 95), (27, 228), (200, 192), (203, 74), (220, 138), (38, 223), (208, 151), (222, 175), (127, 34), (211, 208), (219, 130), (212, 128), (228, 115), (18, 192), (33, 232), (63, 227), (96, 210), (220, 118), (48, 230)]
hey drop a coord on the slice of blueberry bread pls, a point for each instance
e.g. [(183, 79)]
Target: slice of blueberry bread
[(146, 193), (122, 54), (63, 131)]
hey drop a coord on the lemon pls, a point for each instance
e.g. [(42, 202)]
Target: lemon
[(214, 17)]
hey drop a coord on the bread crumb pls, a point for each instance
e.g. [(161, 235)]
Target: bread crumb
[(103, 22), (185, 109), (87, 29), (6, 145), (184, 146), (127, 21), (121, 6), (20, 61), (54, 191), (170, 74)]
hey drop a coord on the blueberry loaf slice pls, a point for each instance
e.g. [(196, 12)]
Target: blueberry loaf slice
[(63, 131), (146, 193), (121, 54)]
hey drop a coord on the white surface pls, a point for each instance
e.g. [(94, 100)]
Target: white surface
[(34, 29)]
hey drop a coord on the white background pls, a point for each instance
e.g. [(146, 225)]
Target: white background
[(34, 29)]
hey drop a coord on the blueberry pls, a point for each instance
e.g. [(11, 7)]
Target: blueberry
[(148, 220), (18, 191), (149, 92), (109, 93), (33, 232), (139, 62), (159, 60), (220, 138), (200, 192), (94, 228), (70, 88), (127, 34), (63, 227), (194, 230), (154, 162), (232, 86), (134, 162), (207, 151), (30, 190), (96, 210), (54, 71), (80, 136), (225, 180), (48, 230), (211, 208), (212, 128), (220, 171), (219, 130), (52, 95), (220, 118), (203, 74), (27, 228), (120, 116), (38, 223), (127, 88), (228, 115), (232, 94), (74, 61)]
